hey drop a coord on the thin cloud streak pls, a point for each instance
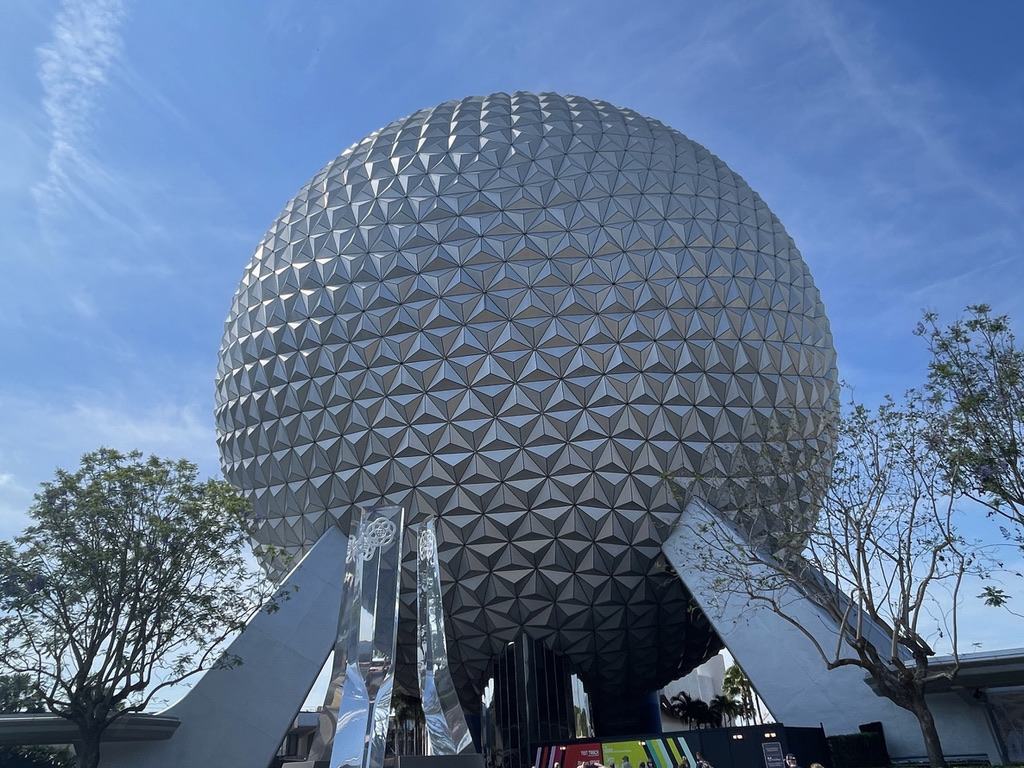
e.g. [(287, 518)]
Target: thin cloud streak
[(907, 106), (74, 66), (65, 432)]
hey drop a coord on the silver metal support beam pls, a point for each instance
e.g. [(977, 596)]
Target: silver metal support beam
[(354, 721), (447, 730)]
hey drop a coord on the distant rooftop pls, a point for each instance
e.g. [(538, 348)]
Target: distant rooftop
[(23, 729), (982, 669)]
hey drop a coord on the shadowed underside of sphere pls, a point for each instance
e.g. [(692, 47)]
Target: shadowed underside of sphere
[(517, 313)]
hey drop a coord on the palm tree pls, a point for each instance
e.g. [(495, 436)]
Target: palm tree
[(702, 714), (678, 706), (737, 685), (725, 708), (683, 708), (408, 731)]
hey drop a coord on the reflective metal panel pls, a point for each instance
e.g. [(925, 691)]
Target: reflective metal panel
[(354, 722), (447, 731)]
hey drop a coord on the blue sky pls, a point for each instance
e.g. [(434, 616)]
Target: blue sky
[(146, 147)]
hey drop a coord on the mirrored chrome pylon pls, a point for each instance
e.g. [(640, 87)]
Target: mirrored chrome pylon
[(353, 723), (447, 731)]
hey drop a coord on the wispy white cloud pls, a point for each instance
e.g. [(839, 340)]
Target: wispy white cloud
[(74, 66), (58, 434), (84, 305), (167, 429), (912, 106)]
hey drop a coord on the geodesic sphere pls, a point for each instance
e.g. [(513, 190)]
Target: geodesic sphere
[(517, 313)]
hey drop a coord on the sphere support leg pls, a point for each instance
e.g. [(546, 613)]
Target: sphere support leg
[(353, 725), (447, 731)]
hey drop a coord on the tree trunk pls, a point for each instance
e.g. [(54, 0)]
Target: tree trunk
[(87, 750), (936, 759)]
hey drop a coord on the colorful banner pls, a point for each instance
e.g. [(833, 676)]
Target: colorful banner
[(624, 754), (583, 756), (655, 752), (549, 757), (668, 752)]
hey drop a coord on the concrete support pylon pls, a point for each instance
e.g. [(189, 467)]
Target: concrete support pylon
[(237, 718), (787, 671)]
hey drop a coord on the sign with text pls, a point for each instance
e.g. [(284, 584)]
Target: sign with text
[(773, 757)]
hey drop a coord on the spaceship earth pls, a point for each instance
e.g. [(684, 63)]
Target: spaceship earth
[(516, 314)]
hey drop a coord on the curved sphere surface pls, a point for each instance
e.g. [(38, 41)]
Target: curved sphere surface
[(517, 313)]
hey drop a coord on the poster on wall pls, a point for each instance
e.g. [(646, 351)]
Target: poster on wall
[(579, 755), (583, 756), (668, 752), (623, 754), (656, 752)]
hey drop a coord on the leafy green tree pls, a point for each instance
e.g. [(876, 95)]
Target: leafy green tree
[(130, 578), (16, 696), (35, 757), (977, 376), (882, 558)]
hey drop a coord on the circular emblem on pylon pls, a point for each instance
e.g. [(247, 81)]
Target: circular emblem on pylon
[(428, 544), (377, 534)]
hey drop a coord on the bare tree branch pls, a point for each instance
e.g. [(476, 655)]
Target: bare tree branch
[(880, 553)]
